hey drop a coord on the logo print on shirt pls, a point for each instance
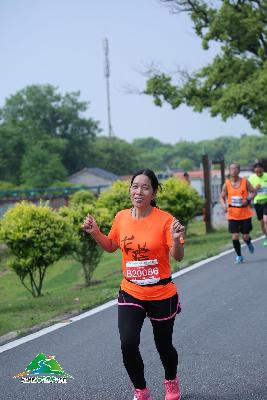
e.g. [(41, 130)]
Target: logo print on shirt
[(127, 239), (140, 253)]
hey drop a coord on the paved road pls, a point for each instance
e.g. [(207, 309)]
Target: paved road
[(221, 337)]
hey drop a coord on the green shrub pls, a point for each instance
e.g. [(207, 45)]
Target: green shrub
[(82, 197), (115, 198), (37, 237), (86, 250), (179, 199)]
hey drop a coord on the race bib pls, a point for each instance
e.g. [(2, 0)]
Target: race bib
[(143, 272), (262, 190), (236, 201)]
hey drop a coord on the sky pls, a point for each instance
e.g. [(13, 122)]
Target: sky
[(60, 42)]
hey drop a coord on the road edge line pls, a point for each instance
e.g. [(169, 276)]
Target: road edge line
[(111, 303)]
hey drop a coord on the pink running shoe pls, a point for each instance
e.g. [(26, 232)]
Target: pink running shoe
[(142, 394), (173, 391)]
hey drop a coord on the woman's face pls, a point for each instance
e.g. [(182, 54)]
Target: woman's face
[(141, 191)]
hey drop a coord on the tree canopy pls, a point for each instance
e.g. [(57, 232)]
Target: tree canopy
[(38, 154), (235, 82), (40, 129)]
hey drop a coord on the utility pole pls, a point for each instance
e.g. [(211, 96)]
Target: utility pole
[(222, 169), (107, 75), (207, 192)]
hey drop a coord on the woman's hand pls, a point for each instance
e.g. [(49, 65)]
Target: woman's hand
[(177, 229), (89, 225)]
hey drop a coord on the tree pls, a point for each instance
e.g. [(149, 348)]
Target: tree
[(115, 155), (186, 164), (235, 83), (152, 153), (149, 144), (11, 153), (39, 115), (179, 199), (37, 237), (221, 147), (42, 164), (185, 150), (248, 151), (86, 249)]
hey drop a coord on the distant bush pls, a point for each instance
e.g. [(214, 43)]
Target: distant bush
[(82, 197)]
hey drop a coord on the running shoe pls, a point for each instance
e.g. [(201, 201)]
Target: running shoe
[(265, 243), (239, 260), (142, 394), (173, 391), (251, 247)]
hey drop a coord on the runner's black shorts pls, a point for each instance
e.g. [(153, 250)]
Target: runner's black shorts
[(261, 210), (241, 225), (158, 310)]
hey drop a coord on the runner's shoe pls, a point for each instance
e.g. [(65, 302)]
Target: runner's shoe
[(239, 260), (251, 248), (142, 394), (265, 243), (173, 391)]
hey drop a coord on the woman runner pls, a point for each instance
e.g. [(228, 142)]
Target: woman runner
[(146, 237)]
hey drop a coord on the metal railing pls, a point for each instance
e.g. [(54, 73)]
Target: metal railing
[(46, 192)]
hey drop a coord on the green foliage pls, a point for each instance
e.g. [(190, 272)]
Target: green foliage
[(235, 83), (115, 155), (6, 185), (37, 237), (41, 165), (179, 199), (186, 164), (86, 249), (11, 151), (82, 197), (250, 148), (44, 136), (148, 144), (115, 198)]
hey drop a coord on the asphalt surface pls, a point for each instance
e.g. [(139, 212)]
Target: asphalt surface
[(221, 337)]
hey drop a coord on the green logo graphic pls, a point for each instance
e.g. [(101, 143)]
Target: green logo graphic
[(43, 365)]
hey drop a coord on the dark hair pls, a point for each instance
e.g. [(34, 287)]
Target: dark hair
[(153, 179), (258, 165)]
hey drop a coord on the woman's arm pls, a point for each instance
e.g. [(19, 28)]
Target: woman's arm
[(177, 232), (177, 250), (90, 226)]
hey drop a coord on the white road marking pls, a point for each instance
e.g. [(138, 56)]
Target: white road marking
[(109, 304)]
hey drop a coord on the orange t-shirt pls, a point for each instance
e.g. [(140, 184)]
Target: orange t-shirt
[(235, 196), (145, 244)]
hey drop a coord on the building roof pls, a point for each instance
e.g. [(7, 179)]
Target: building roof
[(97, 171), (197, 174), (125, 177)]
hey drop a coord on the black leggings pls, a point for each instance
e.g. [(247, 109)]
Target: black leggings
[(130, 322)]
